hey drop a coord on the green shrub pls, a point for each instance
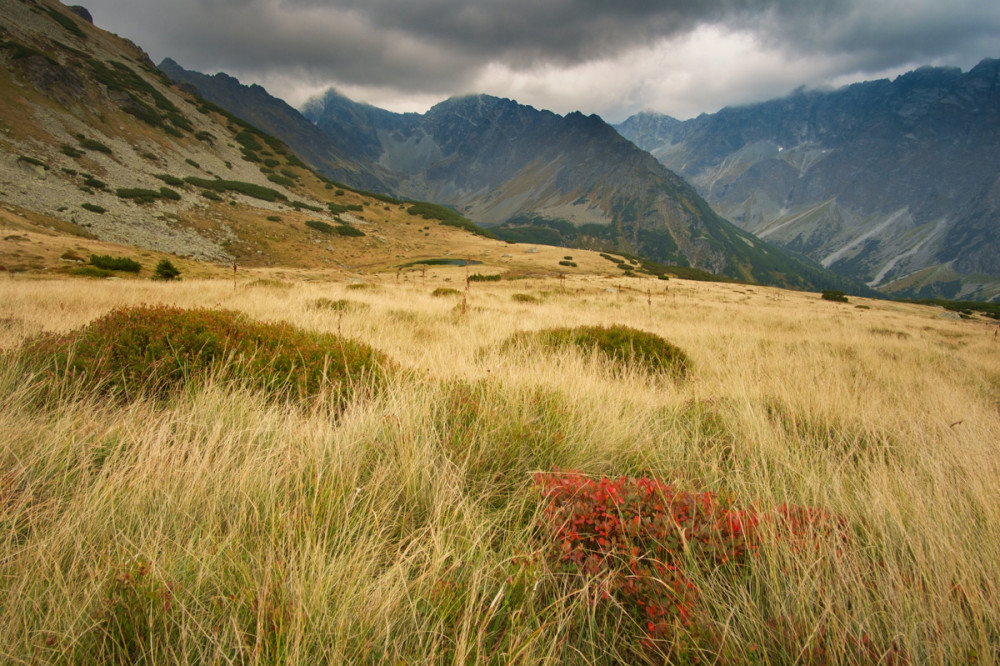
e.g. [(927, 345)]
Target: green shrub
[(192, 163), (209, 194), (249, 189), (165, 270), (446, 291), (138, 194), (109, 263), (344, 229), (33, 161), (172, 181), (167, 193), (320, 226), (95, 183), (339, 305), (301, 205), (93, 208), (248, 140), (281, 180), (274, 218), (94, 144), (66, 22), (479, 277), (179, 121), (270, 162), (70, 151), (834, 295), (157, 350), (571, 264), (622, 346)]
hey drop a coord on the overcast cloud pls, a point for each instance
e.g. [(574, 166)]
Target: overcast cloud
[(613, 58)]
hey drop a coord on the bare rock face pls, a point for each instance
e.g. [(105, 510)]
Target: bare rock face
[(82, 13), (880, 181), (53, 79)]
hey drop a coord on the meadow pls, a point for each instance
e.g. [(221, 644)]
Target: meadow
[(424, 519)]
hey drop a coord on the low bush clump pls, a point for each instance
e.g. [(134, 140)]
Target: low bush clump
[(446, 291), (165, 270), (479, 277), (833, 295), (622, 346), (338, 305), (631, 545), (344, 229), (93, 208), (320, 225), (138, 194), (156, 350), (94, 144), (172, 181), (109, 263), (571, 264)]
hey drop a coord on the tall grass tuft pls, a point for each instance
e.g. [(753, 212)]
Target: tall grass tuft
[(158, 350)]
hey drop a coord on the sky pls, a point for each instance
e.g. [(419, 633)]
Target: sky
[(612, 58)]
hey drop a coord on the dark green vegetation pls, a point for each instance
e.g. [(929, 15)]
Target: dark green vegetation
[(834, 295), (249, 189), (93, 208), (27, 159), (94, 144), (109, 263), (156, 351), (448, 217), (145, 196), (479, 277), (341, 229), (165, 270), (991, 310), (625, 348)]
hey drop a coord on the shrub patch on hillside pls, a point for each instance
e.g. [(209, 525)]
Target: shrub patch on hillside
[(157, 350), (622, 346)]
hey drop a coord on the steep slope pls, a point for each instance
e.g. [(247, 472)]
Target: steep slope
[(100, 153), (335, 154), (555, 179), (893, 182)]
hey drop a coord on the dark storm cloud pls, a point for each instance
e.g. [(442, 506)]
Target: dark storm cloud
[(441, 47)]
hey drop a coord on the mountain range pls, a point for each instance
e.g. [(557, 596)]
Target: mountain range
[(529, 175), (896, 183), (893, 183)]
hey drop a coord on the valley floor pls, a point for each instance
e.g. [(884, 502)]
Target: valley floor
[(221, 527)]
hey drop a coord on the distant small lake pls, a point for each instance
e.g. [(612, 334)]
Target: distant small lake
[(442, 262)]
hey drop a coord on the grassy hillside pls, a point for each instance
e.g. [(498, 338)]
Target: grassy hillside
[(848, 451)]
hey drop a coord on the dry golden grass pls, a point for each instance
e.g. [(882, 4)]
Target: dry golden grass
[(223, 528)]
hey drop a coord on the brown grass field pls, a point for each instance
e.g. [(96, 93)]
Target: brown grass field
[(222, 528)]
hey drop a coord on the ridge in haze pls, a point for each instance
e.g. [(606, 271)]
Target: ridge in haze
[(894, 182)]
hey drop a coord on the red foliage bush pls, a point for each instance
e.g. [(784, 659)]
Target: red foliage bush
[(631, 539)]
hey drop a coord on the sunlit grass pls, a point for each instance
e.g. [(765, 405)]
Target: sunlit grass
[(222, 526)]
